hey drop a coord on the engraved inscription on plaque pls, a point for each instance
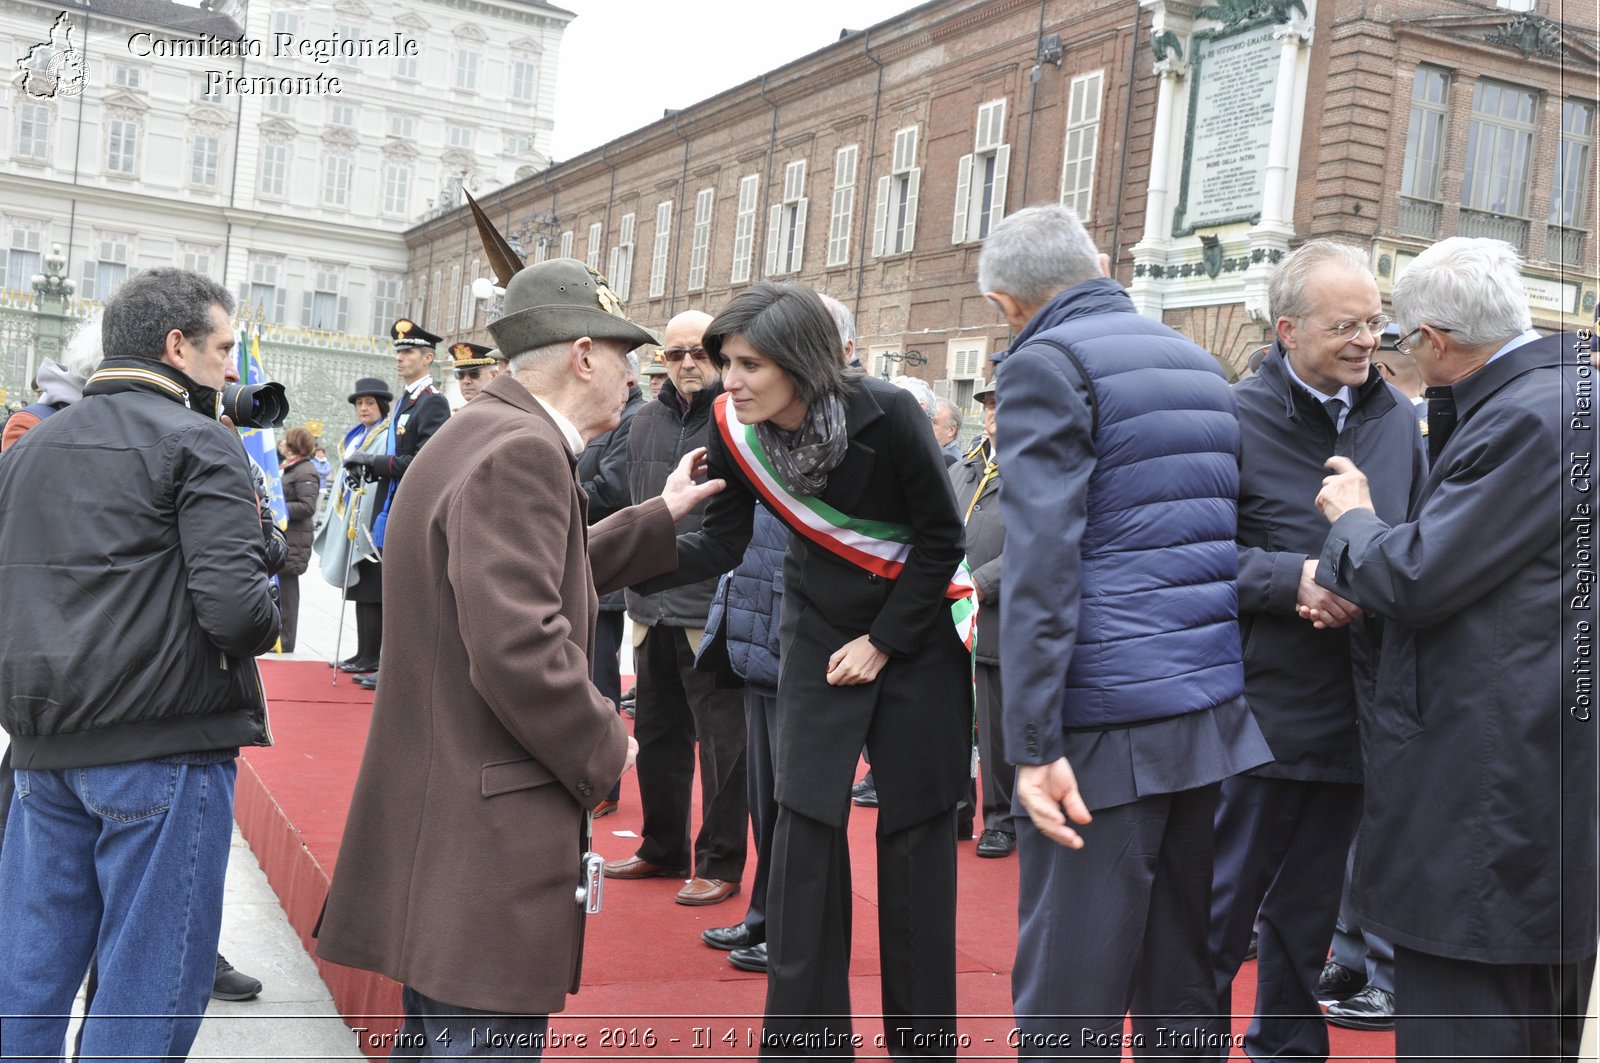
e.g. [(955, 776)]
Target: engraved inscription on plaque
[(1230, 129)]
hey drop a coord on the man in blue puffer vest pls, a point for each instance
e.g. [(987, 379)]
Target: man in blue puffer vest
[(1123, 706)]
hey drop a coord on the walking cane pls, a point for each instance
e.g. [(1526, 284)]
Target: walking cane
[(349, 563)]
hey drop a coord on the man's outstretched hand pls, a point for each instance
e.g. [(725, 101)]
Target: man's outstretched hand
[(682, 494)]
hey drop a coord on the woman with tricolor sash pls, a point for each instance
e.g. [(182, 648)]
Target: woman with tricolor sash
[(871, 652), (348, 558)]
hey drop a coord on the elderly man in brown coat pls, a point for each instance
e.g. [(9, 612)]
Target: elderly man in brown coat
[(489, 742)]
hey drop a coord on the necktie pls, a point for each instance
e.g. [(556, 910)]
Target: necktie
[(1335, 408), (1441, 419)]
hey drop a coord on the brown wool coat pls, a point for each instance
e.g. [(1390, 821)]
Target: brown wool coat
[(457, 871)]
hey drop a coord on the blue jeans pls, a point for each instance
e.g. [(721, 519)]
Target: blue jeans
[(123, 864)]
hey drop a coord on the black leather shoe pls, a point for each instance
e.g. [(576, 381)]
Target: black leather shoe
[(737, 936), (1370, 1009), (996, 843), (753, 958), (367, 682), (233, 985), (1339, 983), (865, 792), (357, 664)]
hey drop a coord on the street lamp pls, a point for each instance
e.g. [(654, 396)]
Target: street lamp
[(54, 283), (912, 358)]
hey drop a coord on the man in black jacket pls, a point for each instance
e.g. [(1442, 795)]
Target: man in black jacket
[(1283, 829), (603, 475), (675, 705), (132, 555)]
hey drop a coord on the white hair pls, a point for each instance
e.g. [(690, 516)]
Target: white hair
[(84, 352), (539, 359), (1290, 292), (841, 317), (919, 390), (1035, 253), (1469, 286)]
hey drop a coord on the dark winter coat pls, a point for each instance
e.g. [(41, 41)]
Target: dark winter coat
[(131, 545), (1479, 824), (916, 717), (663, 433), (603, 475), (985, 539), (300, 487), (1304, 684)]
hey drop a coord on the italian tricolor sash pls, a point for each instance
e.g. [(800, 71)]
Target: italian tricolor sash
[(878, 546)]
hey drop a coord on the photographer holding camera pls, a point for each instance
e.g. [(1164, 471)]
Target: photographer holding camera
[(129, 523)]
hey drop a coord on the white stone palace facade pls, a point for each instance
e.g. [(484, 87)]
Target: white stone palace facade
[(282, 147)]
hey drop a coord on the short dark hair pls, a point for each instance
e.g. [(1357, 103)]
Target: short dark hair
[(790, 324), (151, 304)]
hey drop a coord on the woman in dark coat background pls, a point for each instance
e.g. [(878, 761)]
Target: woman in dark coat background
[(869, 655), (300, 487)]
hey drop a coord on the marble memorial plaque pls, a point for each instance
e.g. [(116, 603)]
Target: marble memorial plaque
[(1235, 82)]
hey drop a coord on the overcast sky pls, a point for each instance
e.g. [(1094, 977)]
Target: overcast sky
[(624, 61)]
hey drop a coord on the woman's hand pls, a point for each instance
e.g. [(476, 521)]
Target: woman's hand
[(857, 661)]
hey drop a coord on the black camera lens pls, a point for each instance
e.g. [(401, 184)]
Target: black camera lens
[(254, 405)]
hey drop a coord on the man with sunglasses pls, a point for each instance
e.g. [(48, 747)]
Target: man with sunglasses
[(1283, 829), (475, 365), (676, 706), (1478, 847)]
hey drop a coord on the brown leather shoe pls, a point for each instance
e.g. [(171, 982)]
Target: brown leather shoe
[(701, 891), (634, 867), (604, 808)]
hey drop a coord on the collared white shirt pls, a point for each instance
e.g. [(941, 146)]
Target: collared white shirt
[(569, 431), (1527, 337), (1345, 394), (414, 388)]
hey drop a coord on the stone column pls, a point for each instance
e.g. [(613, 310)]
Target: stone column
[(1172, 25), (1269, 240)]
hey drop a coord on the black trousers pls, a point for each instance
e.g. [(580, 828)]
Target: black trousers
[(289, 609), (1450, 1010), (605, 666), (677, 705), (1118, 925), (1280, 857), (999, 776), (759, 709), (435, 1030), (808, 939)]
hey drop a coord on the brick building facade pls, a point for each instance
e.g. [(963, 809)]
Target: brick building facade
[(872, 168)]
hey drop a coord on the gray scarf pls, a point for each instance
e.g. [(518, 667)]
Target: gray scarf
[(803, 458)]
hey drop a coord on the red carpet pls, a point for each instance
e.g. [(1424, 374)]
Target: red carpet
[(647, 978)]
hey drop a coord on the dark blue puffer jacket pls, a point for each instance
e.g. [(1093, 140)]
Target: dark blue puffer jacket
[(754, 602), (1158, 631)]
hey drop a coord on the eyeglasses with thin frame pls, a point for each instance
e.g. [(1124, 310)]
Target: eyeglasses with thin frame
[(677, 354), (1408, 346), (1349, 330)]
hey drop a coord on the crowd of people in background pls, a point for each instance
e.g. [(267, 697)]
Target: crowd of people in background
[(1297, 666)]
